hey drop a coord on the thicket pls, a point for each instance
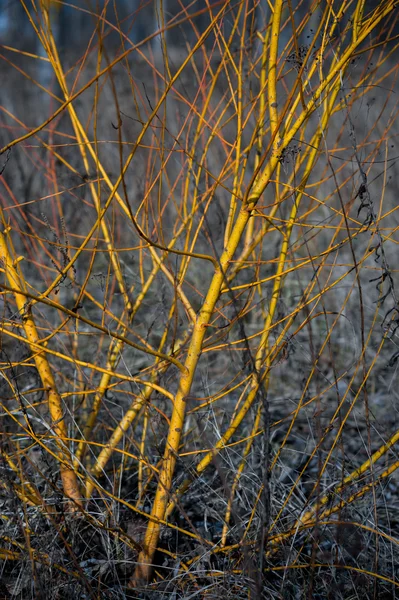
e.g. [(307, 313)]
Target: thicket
[(199, 305)]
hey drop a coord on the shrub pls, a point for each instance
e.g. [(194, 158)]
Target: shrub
[(199, 306)]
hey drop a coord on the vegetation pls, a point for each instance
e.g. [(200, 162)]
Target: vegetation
[(199, 304)]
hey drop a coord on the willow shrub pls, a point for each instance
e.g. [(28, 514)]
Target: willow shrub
[(199, 306)]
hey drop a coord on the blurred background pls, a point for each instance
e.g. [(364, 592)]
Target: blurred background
[(137, 19), (74, 23)]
